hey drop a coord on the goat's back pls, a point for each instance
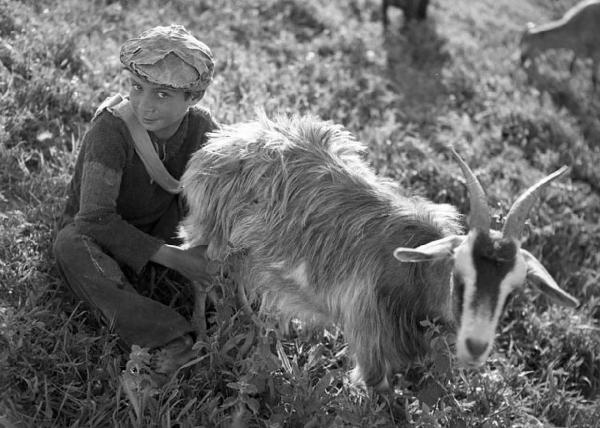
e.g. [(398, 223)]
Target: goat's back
[(317, 226), (580, 22), (302, 180)]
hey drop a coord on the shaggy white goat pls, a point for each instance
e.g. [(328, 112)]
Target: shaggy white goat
[(320, 237)]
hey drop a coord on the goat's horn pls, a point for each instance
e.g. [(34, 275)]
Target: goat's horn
[(480, 214), (515, 219)]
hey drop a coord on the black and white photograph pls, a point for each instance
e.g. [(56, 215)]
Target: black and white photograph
[(300, 213)]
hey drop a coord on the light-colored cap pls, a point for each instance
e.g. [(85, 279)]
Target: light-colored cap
[(169, 56)]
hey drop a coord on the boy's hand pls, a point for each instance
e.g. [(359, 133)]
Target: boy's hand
[(191, 263)]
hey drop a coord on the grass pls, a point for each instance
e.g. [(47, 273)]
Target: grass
[(406, 94)]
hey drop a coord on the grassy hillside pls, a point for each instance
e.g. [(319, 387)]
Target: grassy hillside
[(406, 94)]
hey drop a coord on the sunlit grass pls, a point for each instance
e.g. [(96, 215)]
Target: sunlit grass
[(406, 94)]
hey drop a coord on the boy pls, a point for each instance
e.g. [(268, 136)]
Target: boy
[(117, 215)]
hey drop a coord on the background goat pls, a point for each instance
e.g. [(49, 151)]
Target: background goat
[(326, 240), (412, 10), (578, 30)]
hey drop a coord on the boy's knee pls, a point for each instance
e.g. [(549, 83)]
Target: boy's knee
[(75, 249), (83, 264), (65, 242)]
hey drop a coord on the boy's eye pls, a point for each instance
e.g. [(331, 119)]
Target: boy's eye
[(162, 94), (136, 86)]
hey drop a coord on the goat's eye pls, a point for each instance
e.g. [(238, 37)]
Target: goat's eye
[(255, 201)]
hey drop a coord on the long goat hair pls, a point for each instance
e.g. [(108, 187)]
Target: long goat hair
[(319, 227), (318, 236)]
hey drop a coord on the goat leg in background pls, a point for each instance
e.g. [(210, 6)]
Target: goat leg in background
[(572, 64), (384, 15)]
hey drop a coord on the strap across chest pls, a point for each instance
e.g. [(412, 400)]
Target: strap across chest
[(121, 107)]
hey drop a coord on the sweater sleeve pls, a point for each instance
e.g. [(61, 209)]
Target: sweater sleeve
[(105, 158)]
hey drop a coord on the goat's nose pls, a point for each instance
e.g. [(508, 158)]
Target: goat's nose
[(476, 347)]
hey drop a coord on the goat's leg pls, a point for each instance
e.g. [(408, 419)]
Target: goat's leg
[(572, 64), (384, 14), (202, 295), (199, 315), (422, 10), (595, 64)]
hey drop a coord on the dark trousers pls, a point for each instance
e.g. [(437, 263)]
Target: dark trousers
[(97, 279)]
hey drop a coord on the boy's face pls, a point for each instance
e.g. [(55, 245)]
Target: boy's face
[(159, 109)]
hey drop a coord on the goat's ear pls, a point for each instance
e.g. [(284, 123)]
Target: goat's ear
[(441, 248), (541, 278)]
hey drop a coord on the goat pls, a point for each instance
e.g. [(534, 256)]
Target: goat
[(578, 30), (412, 9), (324, 239)]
